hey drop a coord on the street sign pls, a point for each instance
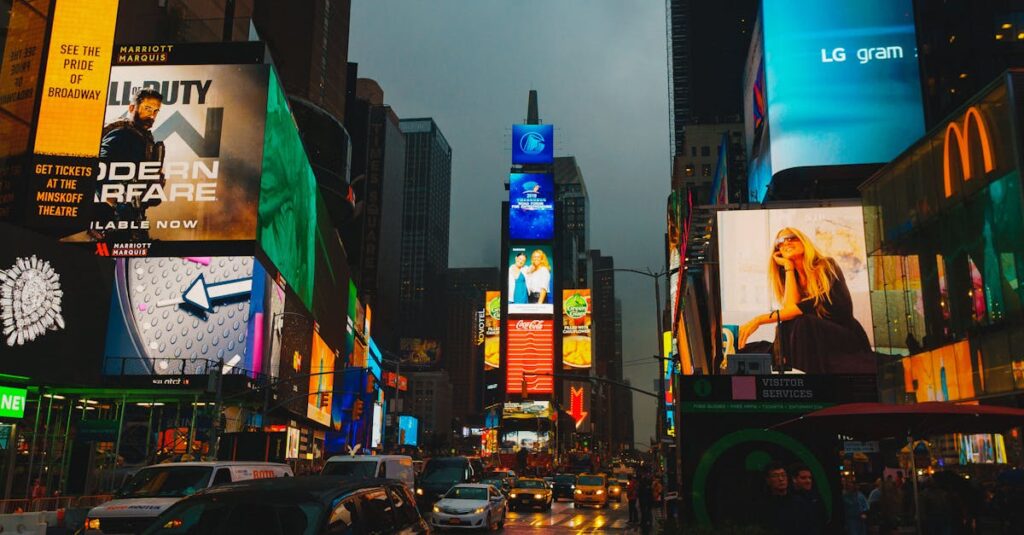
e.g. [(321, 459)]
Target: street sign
[(12, 402)]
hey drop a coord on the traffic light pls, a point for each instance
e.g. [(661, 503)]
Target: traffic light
[(357, 410)]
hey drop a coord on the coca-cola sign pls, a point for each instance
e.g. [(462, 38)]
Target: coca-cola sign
[(530, 325), (530, 350)]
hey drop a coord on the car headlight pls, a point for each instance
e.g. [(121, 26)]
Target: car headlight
[(479, 510), (600, 492), (538, 496), (419, 492), (437, 509), (513, 495), (572, 486), (92, 523), (578, 491)]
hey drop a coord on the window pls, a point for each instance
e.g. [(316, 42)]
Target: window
[(693, 151), (377, 511), (344, 517), (223, 476), (705, 170), (705, 151), (690, 169), (405, 507)]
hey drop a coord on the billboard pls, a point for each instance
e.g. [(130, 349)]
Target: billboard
[(943, 374), (576, 333), (182, 164), (816, 257), (530, 350), (408, 430), (533, 144), (19, 74), (321, 381), (419, 353), (842, 82), (526, 410), (49, 297), (531, 206), (492, 330), (530, 279), (291, 343)]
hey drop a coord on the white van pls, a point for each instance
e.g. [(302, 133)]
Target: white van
[(398, 467), (153, 489)]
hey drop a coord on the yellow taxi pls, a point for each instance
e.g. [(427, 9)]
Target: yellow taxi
[(615, 489), (591, 489), (530, 492)]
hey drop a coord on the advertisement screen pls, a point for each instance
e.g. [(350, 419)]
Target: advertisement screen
[(943, 374), (529, 440), (492, 331), (533, 144), (378, 422), (842, 81), (179, 316), (291, 345), (531, 206), (576, 319), (526, 410), (179, 157), (818, 255), (408, 430), (531, 351), (419, 353), (19, 72), (52, 302), (530, 279), (321, 381)]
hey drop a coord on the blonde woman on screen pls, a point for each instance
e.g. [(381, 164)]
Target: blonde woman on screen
[(817, 331)]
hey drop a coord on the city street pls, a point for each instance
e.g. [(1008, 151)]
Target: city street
[(564, 518)]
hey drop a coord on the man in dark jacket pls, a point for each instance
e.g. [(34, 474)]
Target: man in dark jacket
[(129, 141), (808, 501)]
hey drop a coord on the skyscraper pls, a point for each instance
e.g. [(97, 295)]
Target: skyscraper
[(574, 221), (463, 343), (605, 345), (425, 221)]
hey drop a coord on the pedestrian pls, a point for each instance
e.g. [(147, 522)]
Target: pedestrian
[(810, 507), (38, 489), (645, 495), (777, 511), (855, 509), (631, 497)]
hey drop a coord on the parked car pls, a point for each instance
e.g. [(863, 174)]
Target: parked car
[(563, 486), (397, 467), (155, 488), (530, 492), (471, 505), (592, 490), (311, 505), (439, 475)]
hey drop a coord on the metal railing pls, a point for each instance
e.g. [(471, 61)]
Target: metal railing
[(53, 503)]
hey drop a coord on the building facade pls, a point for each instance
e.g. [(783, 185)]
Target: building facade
[(463, 343), (430, 399), (573, 221)]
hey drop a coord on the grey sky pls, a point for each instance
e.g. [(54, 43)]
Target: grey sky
[(599, 67)]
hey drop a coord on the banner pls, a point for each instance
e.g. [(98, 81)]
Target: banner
[(417, 353), (321, 381), (492, 331), (526, 410), (576, 331)]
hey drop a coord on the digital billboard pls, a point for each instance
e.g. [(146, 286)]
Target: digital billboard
[(179, 157), (533, 144), (530, 279), (810, 265), (408, 430), (842, 81), (526, 410), (321, 381), (178, 316), (419, 353), (52, 299), (531, 351), (531, 206), (492, 330), (576, 334), (19, 73), (291, 343), (943, 374)]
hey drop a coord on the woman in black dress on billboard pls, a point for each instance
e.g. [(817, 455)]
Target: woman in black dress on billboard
[(817, 332)]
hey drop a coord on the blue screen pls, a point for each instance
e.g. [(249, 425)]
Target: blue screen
[(533, 143), (841, 81), (374, 360), (531, 206), (408, 426)]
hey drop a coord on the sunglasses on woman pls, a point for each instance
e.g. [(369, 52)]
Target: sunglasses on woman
[(784, 239)]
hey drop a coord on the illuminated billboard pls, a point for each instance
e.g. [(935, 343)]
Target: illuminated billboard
[(531, 206), (19, 74), (408, 430), (533, 144), (810, 265), (943, 374), (526, 410), (576, 333), (179, 158), (419, 353), (530, 279), (531, 351), (841, 82), (492, 330), (321, 381)]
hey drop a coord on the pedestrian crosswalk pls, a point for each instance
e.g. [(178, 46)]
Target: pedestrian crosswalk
[(571, 520)]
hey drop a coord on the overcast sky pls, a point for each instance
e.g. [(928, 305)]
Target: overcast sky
[(599, 67)]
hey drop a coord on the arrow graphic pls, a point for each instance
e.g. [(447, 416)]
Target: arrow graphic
[(202, 295), (576, 405)]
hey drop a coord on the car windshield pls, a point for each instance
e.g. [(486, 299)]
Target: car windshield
[(565, 479), (593, 481), (467, 493), (351, 468), (530, 484), (496, 481), (166, 482), (216, 515), (614, 482), (444, 472)]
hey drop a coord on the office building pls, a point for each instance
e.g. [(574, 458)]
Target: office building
[(605, 347), (430, 399), (463, 342), (573, 221), (695, 165), (425, 222)]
